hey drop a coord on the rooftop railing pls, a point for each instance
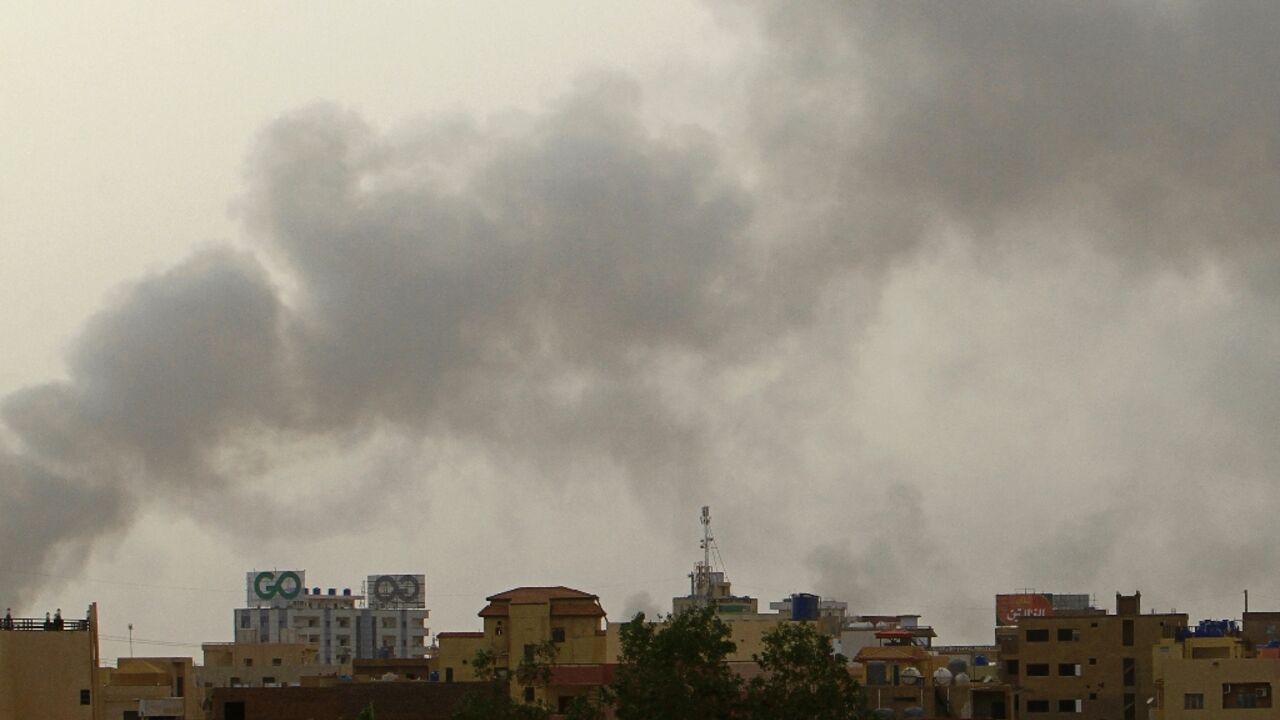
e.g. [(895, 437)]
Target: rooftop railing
[(43, 625)]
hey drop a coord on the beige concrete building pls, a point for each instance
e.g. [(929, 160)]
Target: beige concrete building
[(516, 623), (48, 671), (1087, 663), (262, 665), (746, 631), (1200, 677), (150, 687)]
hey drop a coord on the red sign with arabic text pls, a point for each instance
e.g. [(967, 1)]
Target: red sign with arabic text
[(1010, 608)]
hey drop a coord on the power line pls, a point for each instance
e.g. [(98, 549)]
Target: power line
[(122, 583), (162, 643)]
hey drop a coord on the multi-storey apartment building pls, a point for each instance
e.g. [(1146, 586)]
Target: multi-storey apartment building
[(1086, 662), (1212, 671), (387, 621)]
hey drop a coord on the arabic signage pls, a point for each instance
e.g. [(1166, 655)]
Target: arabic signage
[(1011, 608)]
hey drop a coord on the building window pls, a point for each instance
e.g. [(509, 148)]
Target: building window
[(1038, 635), (1237, 696), (1070, 706), (1126, 632), (1037, 706), (277, 662), (529, 650), (1193, 701), (1068, 634), (448, 675), (528, 694), (244, 620), (1130, 672), (248, 662), (1093, 661), (268, 680), (557, 634), (1037, 669), (1068, 670), (85, 698), (1130, 707), (1011, 668)]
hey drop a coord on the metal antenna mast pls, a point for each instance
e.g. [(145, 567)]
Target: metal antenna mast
[(706, 552)]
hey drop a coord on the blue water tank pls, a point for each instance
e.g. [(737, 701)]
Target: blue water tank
[(804, 606), (980, 661)]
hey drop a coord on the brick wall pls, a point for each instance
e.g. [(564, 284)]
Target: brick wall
[(391, 701)]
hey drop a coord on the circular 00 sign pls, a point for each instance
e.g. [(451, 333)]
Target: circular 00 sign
[(389, 588), (287, 585)]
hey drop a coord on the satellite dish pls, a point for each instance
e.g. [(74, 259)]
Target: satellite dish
[(911, 676), (961, 679), (942, 676)]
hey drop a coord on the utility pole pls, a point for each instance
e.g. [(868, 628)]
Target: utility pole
[(130, 639), (1246, 600)]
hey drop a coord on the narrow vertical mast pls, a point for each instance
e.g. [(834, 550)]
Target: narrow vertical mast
[(706, 553)]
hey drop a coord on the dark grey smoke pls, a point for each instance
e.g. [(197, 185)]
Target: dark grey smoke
[(1101, 179), (1016, 261), (515, 286)]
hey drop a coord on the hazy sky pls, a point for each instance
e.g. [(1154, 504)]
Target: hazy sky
[(927, 301)]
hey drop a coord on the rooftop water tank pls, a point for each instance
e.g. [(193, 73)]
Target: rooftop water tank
[(804, 606)]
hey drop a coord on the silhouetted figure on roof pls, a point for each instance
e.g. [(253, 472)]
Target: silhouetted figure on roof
[(7, 623), (57, 620), (48, 623)]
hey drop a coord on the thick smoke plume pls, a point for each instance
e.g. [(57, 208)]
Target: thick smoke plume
[(978, 295)]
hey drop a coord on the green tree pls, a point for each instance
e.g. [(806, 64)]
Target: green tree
[(589, 707), (491, 701), (803, 679), (676, 671), (366, 714)]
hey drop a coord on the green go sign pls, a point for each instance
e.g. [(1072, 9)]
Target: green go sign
[(267, 585)]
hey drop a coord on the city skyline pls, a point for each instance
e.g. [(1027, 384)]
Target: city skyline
[(928, 302)]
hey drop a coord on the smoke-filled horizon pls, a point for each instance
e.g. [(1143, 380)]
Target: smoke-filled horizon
[(956, 299)]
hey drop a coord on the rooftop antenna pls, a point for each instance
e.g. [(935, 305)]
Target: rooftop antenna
[(130, 639), (706, 551)]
